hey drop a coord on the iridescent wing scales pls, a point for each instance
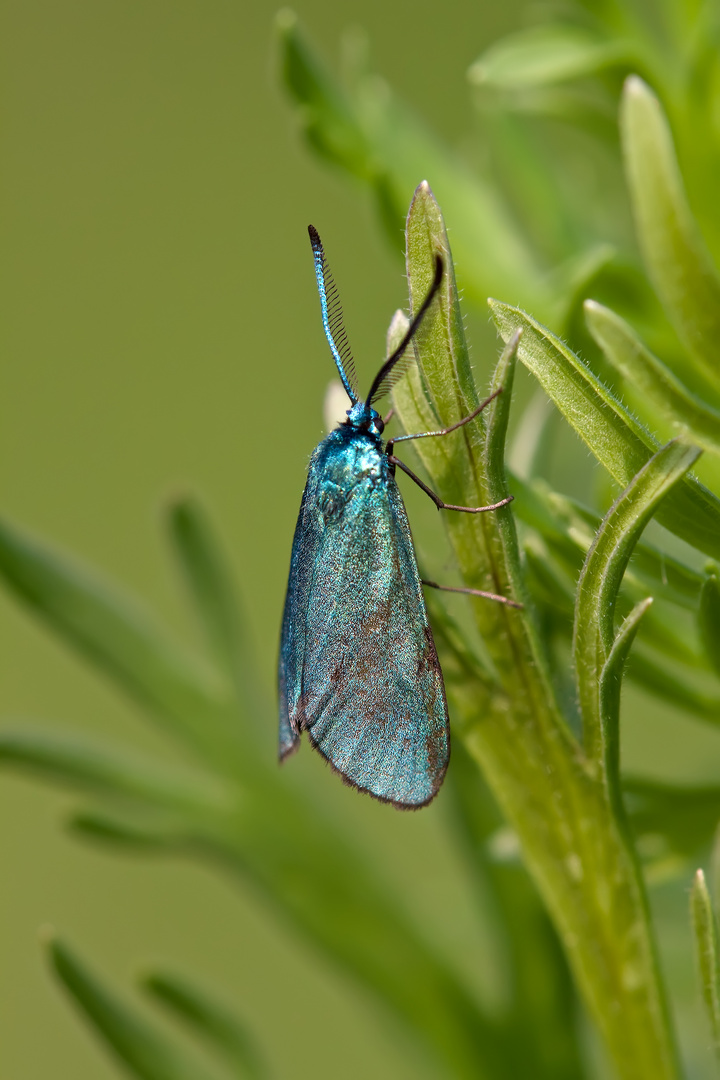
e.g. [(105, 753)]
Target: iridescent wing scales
[(359, 670)]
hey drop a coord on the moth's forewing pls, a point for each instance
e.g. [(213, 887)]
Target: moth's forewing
[(358, 661), (308, 536)]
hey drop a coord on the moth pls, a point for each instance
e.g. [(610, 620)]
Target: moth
[(358, 671)]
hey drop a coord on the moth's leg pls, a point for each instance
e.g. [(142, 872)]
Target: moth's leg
[(473, 592), (388, 418), (447, 430), (436, 498)]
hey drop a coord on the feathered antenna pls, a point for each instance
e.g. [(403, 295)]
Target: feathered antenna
[(397, 364), (332, 317)]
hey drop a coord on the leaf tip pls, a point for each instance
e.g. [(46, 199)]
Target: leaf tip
[(423, 195), (285, 21), (178, 504), (636, 87), (56, 952)]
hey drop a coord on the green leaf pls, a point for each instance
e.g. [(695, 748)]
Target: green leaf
[(112, 773), (446, 380), (598, 655), (706, 945), (693, 419), (709, 619), (332, 887), (327, 116), (138, 1045), (442, 345), (373, 136), (212, 1020), (658, 664), (122, 641), (611, 677), (499, 416), (616, 439), (212, 590), (674, 252), (544, 56), (139, 834), (569, 529)]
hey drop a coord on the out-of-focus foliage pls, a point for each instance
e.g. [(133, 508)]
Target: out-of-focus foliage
[(588, 229)]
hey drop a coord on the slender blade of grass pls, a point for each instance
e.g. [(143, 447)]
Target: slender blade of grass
[(213, 1021), (121, 640), (141, 1048)]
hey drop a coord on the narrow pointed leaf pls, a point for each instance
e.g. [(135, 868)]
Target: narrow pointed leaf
[(612, 674), (665, 664), (136, 834), (494, 457), (455, 463), (334, 886), (80, 765), (212, 1020), (117, 637), (676, 257), (569, 529), (544, 56), (693, 419), (616, 439), (706, 947), (141, 1048), (594, 631), (212, 590)]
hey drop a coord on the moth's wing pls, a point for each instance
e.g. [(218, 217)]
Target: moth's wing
[(372, 696), (306, 543)]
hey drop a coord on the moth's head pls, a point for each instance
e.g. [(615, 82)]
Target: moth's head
[(363, 417)]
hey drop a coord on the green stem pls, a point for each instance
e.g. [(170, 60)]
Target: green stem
[(573, 843)]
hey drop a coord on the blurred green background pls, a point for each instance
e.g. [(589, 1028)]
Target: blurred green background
[(161, 332)]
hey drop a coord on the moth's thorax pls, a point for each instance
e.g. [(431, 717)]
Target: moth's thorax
[(349, 462)]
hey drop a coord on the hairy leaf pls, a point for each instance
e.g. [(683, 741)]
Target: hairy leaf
[(616, 439), (598, 665), (706, 946)]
